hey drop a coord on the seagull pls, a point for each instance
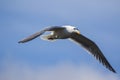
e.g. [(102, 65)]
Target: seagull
[(71, 32)]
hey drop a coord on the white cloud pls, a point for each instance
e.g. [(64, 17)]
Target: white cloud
[(58, 72)]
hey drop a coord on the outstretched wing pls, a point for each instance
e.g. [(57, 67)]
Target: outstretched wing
[(35, 35), (92, 48)]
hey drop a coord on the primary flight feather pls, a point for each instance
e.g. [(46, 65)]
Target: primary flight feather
[(65, 32)]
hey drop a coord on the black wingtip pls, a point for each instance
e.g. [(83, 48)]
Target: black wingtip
[(20, 42), (110, 68), (113, 71)]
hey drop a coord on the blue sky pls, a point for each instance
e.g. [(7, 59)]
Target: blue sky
[(98, 20)]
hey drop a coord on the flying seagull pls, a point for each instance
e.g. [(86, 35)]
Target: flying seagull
[(71, 32)]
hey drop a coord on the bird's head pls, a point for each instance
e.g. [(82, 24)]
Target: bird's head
[(72, 29)]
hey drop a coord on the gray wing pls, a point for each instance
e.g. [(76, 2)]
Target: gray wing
[(92, 48), (35, 35)]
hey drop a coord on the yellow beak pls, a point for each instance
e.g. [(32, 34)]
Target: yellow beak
[(78, 32)]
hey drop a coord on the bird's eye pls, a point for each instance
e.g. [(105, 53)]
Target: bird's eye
[(75, 28)]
